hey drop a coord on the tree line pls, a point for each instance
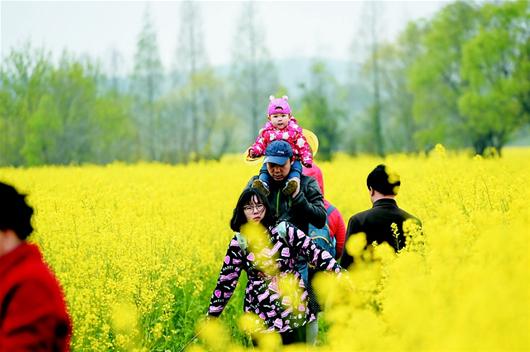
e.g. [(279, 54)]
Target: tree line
[(461, 78)]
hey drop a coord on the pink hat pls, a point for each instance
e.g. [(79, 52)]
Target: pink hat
[(279, 105)]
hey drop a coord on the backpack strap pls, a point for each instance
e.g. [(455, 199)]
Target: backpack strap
[(243, 244), (330, 210), (282, 229)]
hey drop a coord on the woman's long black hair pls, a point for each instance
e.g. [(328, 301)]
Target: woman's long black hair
[(239, 218)]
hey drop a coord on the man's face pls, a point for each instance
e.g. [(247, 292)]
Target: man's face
[(279, 172)]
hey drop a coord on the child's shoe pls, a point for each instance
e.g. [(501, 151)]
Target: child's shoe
[(291, 186), (261, 186)]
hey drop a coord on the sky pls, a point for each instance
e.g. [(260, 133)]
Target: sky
[(324, 29)]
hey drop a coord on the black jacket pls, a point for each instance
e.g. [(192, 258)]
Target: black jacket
[(307, 207), (376, 224)]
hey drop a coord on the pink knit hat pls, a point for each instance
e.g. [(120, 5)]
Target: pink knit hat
[(279, 105)]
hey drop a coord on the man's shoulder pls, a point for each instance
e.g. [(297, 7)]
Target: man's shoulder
[(308, 183), (307, 180), (408, 216), (383, 214), (249, 183), (360, 216)]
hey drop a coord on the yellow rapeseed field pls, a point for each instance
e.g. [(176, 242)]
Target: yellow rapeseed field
[(138, 249)]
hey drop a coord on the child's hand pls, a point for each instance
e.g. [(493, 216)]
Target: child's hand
[(251, 155), (297, 190)]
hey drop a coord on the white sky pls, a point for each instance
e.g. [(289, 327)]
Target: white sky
[(293, 28)]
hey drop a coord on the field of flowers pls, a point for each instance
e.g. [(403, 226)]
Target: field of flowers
[(138, 248)]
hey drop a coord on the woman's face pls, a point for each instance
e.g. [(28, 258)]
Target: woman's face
[(254, 210)]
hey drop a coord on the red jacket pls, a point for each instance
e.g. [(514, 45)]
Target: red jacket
[(33, 315), (335, 220)]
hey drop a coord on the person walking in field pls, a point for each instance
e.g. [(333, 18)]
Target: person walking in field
[(302, 207), (33, 314), (305, 209), (334, 219), (281, 125), (378, 221), (267, 253)]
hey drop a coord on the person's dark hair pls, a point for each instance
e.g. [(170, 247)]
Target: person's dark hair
[(239, 218), (382, 182), (15, 213)]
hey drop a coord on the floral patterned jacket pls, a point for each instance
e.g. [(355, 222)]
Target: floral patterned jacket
[(292, 134), (281, 310)]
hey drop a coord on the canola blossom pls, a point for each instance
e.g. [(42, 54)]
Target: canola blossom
[(138, 248)]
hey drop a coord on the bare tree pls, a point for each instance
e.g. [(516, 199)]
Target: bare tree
[(366, 50), (115, 64), (374, 13), (147, 80), (190, 61), (253, 73)]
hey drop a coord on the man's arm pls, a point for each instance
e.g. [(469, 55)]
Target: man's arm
[(309, 204)]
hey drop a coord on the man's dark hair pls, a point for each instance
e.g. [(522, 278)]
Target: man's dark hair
[(382, 182), (239, 218), (15, 213)]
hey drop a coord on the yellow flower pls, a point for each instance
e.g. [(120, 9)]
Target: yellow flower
[(137, 249), (355, 244)]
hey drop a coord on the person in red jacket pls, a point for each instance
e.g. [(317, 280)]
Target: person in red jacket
[(336, 223), (33, 314), (337, 229)]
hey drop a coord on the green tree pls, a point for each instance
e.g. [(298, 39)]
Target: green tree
[(43, 129), (253, 75), (356, 99), (435, 77), (114, 130), (396, 60), (24, 76), (74, 91), (496, 63), (319, 111), (217, 128), (207, 91), (57, 114)]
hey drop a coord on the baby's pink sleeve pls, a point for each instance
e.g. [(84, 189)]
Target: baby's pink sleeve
[(300, 143), (304, 150), (259, 146)]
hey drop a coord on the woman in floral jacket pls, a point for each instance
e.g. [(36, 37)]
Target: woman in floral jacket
[(275, 292)]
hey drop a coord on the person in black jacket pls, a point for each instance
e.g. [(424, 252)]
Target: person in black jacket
[(377, 222), (306, 204)]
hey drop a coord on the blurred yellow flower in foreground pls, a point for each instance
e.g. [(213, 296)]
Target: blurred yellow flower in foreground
[(137, 249)]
